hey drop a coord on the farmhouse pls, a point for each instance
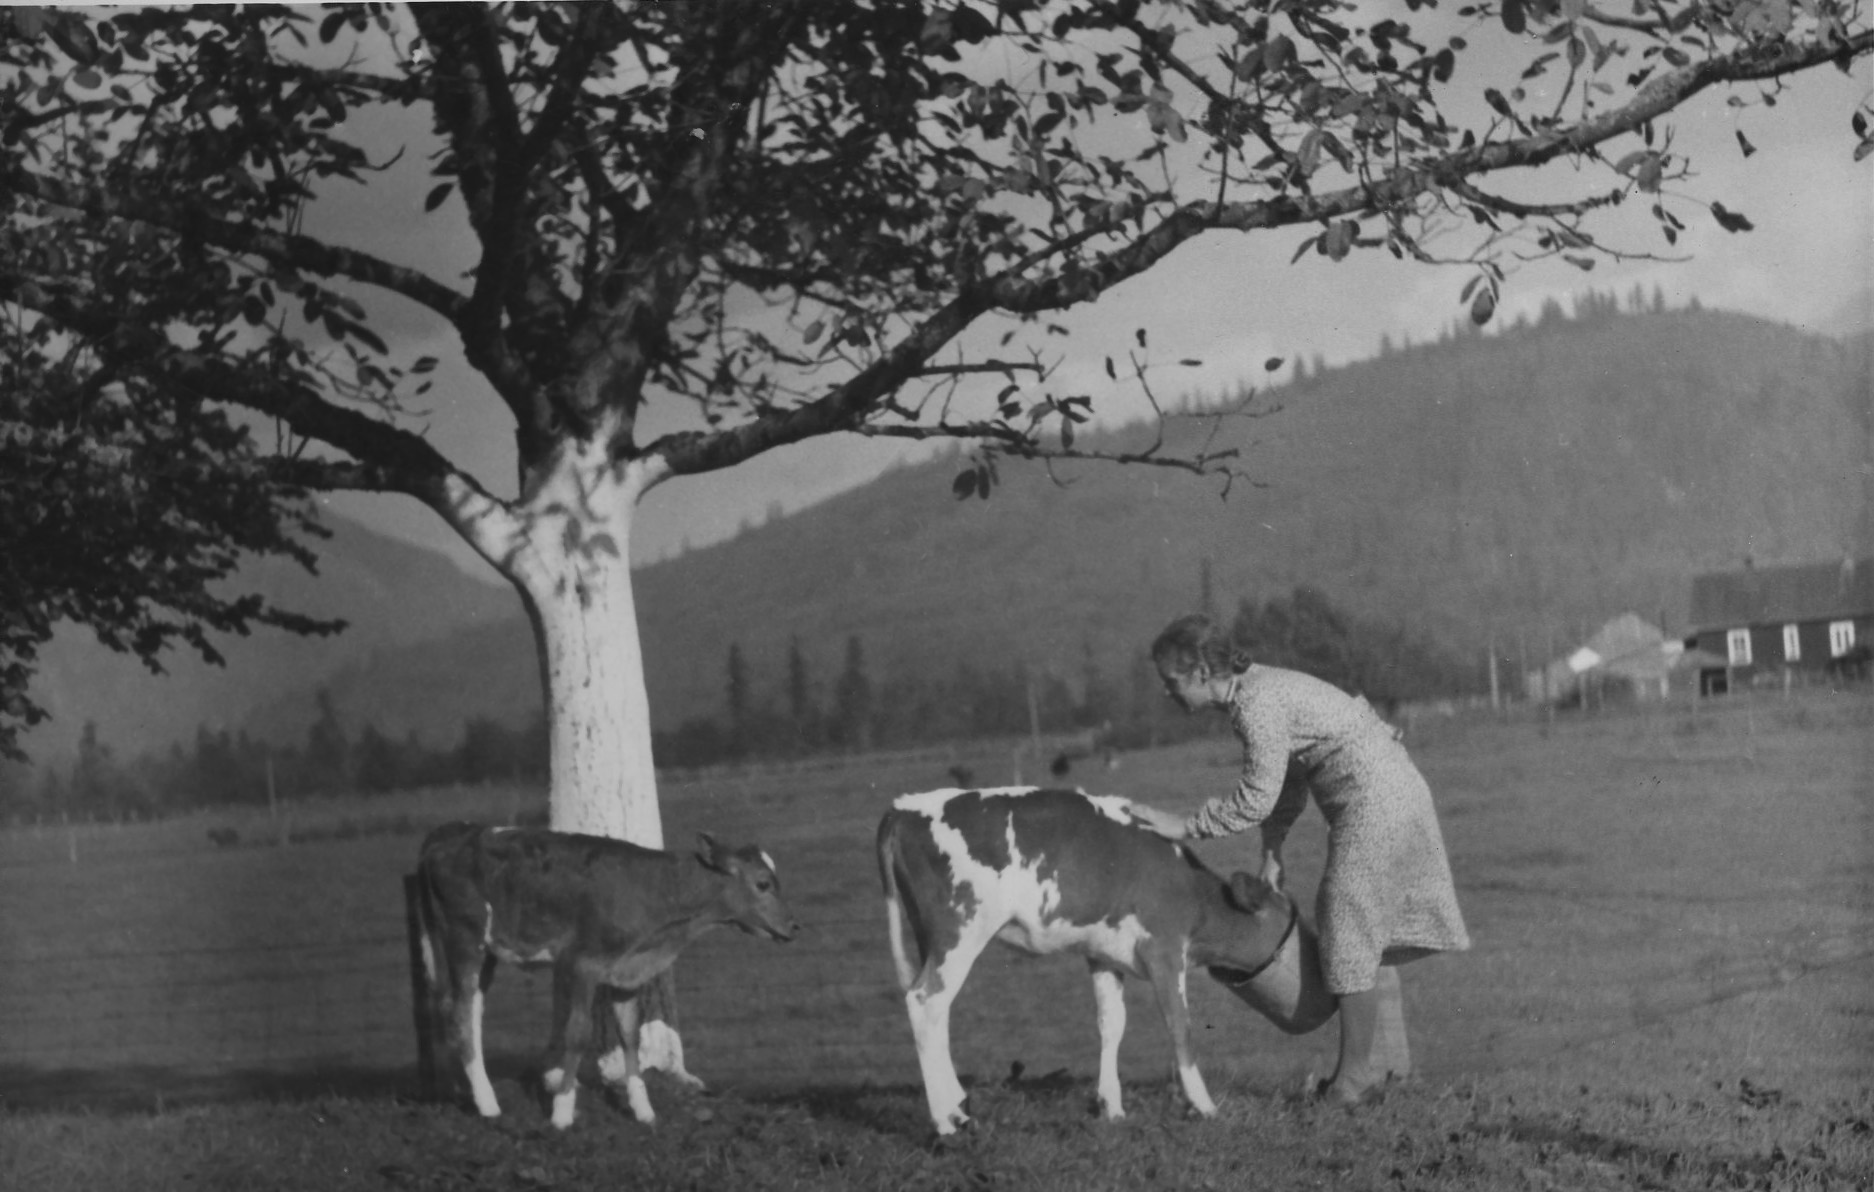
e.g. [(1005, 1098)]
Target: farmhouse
[(1625, 658), (1761, 622)]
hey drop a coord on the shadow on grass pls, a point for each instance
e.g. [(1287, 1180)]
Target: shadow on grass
[(143, 1088), (1708, 1166), (152, 1088)]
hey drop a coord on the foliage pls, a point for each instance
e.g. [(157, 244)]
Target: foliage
[(635, 179), (1304, 631), (127, 514)]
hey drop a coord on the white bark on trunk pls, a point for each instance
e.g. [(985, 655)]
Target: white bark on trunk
[(567, 546)]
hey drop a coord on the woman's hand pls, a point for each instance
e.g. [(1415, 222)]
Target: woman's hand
[(1272, 867), (1165, 823)]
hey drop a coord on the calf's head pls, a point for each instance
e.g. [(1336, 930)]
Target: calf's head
[(1260, 922), (751, 891), (1273, 962)]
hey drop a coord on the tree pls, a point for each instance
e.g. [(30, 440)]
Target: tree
[(698, 232), (329, 763), (852, 699), (803, 719), (738, 697)]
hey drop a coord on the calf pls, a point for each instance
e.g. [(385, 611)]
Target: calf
[(607, 915), (1061, 871)]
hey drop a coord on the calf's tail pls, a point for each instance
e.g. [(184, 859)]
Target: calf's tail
[(896, 915)]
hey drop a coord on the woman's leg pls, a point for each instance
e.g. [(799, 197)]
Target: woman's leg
[(1392, 1055), (1357, 1072), (1373, 1047)]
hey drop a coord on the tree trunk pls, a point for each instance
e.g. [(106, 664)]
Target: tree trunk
[(573, 567)]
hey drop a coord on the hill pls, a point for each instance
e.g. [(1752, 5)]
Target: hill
[(1516, 488), (390, 593), (1520, 486)]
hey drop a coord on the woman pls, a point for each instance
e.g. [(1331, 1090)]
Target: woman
[(1386, 895)]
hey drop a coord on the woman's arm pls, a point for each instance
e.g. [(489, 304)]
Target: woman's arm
[(1165, 823), (1264, 733), (1288, 807)]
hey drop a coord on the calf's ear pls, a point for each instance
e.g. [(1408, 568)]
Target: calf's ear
[(709, 852), (1248, 893)]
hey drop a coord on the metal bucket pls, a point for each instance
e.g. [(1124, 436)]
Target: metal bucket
[(1289, 991)]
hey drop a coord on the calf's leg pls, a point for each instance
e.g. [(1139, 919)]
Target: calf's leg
[(470, 970), (928, 1004), (1109, 1001), (1168, 974), (626, 1012), (575, 1034)]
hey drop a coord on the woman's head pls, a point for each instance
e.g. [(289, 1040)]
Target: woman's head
[(1193, 649)]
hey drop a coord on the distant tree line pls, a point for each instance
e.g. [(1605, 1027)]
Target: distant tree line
[(222, 768), (1302, 629), (801, 716)]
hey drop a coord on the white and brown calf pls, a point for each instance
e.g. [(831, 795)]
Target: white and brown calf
[(1061, 871), (607, 915)]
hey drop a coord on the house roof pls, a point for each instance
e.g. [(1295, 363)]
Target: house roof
[(1773, 595), (1625, 645)]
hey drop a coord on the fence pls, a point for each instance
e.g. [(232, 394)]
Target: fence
[(145, 961)]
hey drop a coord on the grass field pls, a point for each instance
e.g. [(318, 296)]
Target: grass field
[(1672, 986)]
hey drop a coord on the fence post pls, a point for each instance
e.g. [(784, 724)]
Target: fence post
[(419, 991)]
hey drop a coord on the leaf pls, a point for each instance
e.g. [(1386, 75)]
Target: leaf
[(964, 486), (1582, 263), (1730, 221), (436, 197), (1743, 142), (1191, 362), (1278, 53), (1338, 239), (814, 330), (329, 27), (88, 78), (1308, 157), (1483, 305), (1110, 374), (1863, 149), (1513, 21), (1271, 364)]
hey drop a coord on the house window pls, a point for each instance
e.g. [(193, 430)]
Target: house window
[(1840, 638), (1792, 644), (1738, 642)]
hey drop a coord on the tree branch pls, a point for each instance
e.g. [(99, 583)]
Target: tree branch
[(280, 248), (1659, 96), (1470, 193), (407, 461)]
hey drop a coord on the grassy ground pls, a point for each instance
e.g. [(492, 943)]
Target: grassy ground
[(1672, 987)]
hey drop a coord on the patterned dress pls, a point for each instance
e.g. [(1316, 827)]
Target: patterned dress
[(1386, 890)]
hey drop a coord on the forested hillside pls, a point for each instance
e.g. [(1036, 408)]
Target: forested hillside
[(1529, 483), (1513, 488)]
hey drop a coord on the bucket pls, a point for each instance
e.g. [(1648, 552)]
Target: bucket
[(1290, 991)]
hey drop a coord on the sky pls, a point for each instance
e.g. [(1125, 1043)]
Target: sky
[(1227, 300)]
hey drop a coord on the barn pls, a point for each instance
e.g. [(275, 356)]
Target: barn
[(1774, 623)]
